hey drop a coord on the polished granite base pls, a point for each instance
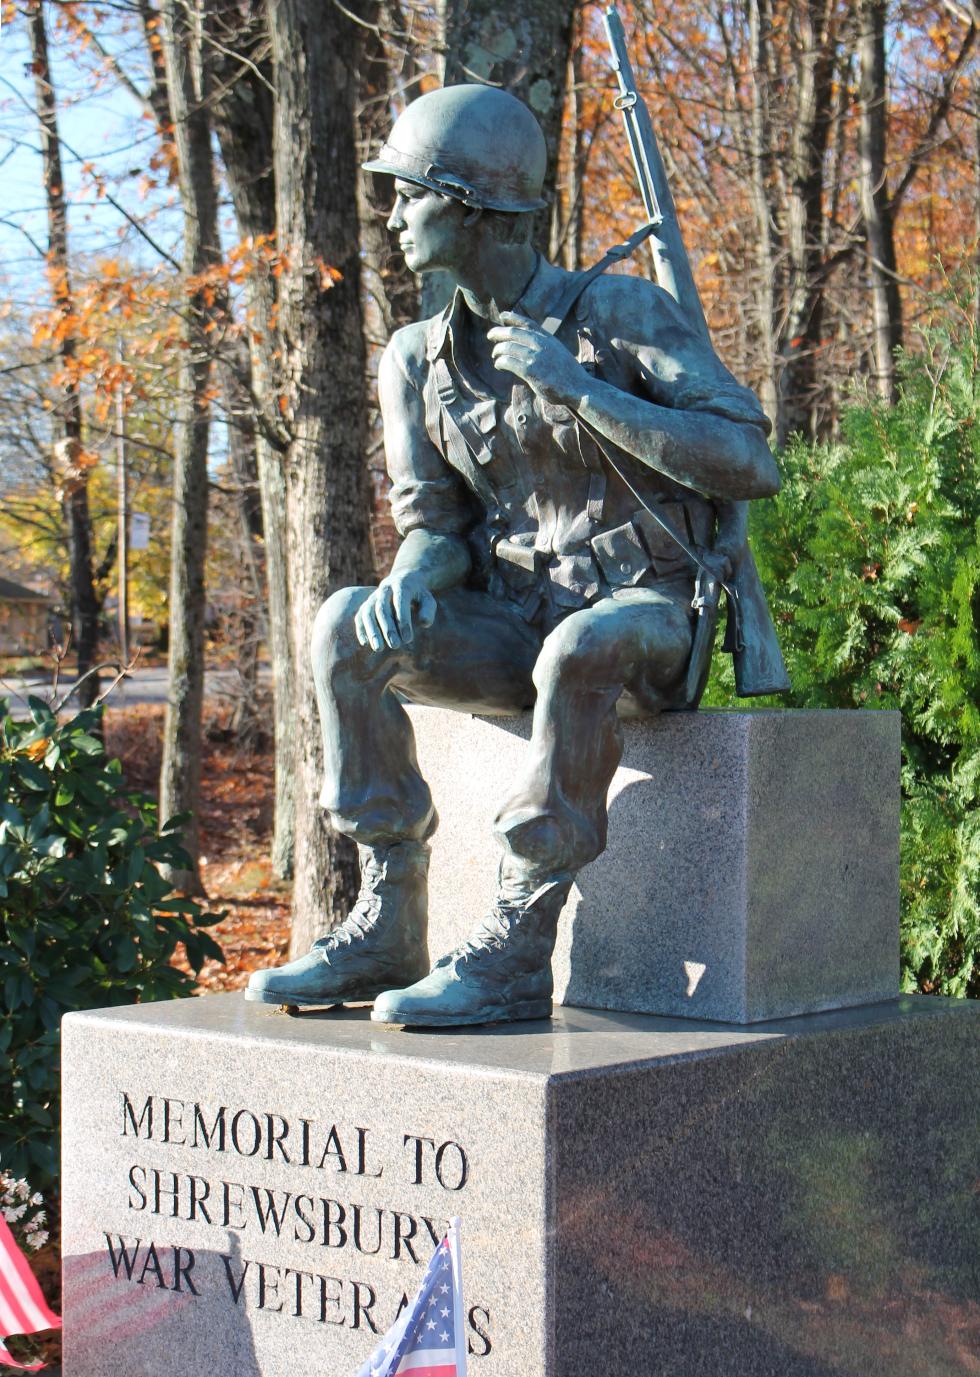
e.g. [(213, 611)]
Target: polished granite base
[(248, 1194), (751, 871)]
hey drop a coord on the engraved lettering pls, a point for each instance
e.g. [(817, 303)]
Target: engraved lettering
[(123, 1259), (244, 1116), (331, 1300), (141, 1171), (270, 1209), (234, 1287), (184, 1270), (455, 1166), (129, 1116), (196, 1202), (404, 1237), (482, 1337), (228, 1204), (202, 1135), (173, 1118), (151, 1263), (362, 1155)]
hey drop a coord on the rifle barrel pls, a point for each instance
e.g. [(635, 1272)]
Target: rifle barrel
[(671, 264)]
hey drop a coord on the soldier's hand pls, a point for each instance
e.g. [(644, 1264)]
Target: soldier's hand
[(521, 347), (390, 615)]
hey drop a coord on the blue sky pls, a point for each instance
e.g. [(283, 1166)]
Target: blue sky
[(99, 124)]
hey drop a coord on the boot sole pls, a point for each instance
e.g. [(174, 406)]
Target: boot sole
[(516, 1013), (290, 1001)]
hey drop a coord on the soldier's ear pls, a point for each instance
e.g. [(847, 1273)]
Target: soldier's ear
[(472, 215)]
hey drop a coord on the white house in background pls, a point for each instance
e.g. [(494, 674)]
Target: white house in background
[(23, 619)]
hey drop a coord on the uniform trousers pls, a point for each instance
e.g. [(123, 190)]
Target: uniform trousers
[(480, 656)]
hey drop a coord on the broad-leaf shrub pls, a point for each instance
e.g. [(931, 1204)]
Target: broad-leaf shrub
[(86, 920), (871, 558)]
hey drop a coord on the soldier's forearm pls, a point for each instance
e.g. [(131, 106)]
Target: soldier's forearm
[(715, 456), (442, 561)]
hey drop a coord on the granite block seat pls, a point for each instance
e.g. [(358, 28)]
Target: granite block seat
[(751, 871)]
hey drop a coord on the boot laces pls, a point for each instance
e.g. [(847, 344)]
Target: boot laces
[(492, 934), (367, 907), (516, 903)]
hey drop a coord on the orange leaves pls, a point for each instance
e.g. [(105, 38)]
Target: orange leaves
[(72, 464), (329, 276)]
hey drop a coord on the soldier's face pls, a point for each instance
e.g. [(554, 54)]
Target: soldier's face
[(429, 227)]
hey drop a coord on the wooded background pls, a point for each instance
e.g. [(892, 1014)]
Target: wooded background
[(197, 278)]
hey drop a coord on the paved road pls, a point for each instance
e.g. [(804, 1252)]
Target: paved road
[(147, 685)]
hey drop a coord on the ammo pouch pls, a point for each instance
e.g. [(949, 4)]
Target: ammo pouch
[(627, 553)]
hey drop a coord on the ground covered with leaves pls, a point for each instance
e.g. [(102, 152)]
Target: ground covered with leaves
[(236, 825)]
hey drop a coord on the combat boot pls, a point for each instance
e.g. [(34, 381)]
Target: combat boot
[(381, 943), (501, 974)]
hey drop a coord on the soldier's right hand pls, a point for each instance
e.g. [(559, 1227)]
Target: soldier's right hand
[(390, 615)]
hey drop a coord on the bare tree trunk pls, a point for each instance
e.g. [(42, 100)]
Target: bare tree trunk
[(395, 288), (573, 235), (761, 150), (327, 494), (248, 723), (816, 44), (69, 456), (243, 117), (180, 775), (524, 47), (876, 211)]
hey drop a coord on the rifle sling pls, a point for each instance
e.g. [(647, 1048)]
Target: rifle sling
[(552, 324)]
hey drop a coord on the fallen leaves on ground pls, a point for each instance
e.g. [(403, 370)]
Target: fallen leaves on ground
[(237, 791)]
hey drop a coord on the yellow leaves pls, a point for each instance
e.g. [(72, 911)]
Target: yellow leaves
[(36, 750)]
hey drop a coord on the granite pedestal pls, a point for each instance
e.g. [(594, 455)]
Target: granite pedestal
[(751, 870), (247, 1195)]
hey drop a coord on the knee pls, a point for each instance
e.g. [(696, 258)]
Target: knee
[(333, 640), (575, 652)]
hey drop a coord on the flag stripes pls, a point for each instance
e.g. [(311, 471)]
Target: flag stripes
[(23, 1309)]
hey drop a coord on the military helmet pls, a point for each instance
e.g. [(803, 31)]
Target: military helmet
[(478, 144)]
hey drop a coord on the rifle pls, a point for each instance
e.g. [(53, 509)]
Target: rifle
[(750, 635)]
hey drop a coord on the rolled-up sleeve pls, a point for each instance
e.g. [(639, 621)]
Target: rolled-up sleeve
[(673, 364), (425, 492)]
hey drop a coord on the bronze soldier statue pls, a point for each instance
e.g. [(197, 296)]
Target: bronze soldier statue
[(565, 454)]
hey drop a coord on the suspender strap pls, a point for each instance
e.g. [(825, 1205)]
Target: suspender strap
[(441, 404)]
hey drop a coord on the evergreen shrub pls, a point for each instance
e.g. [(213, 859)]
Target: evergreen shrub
[(871, 558), (86, 919)]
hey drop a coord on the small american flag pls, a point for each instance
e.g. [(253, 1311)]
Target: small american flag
[(429, 1338), (23, 1309)]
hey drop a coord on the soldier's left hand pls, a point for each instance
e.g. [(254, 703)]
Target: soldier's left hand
[(521, 347)]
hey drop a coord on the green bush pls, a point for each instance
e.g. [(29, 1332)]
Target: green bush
[(86, 920), (871, 557)]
